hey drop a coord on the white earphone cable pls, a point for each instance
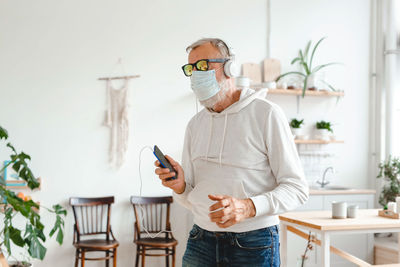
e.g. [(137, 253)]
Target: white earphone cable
[(140, 194)]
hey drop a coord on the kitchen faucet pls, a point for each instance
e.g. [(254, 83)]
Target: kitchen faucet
[(323, 183)]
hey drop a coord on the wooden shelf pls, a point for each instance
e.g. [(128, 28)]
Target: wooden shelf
[(318, 141), (299, 92), (21, 182), (35, 209)]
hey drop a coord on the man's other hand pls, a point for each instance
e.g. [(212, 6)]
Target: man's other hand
[(229, 210)]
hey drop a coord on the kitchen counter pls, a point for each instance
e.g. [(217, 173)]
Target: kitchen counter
[(314, 191)]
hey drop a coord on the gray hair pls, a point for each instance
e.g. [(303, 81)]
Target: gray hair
[(218, 43)]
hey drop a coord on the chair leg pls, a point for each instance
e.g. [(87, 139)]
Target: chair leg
[(83, 258), (115, 257), (173, 256), (76, 257), (143, 255), (107, 260), (137, 256), (166, 258)]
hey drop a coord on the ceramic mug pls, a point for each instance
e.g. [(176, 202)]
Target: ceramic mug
[(339, 210), (352, 211)]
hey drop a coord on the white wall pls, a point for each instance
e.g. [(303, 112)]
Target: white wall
[(51, 54), (346, 26)]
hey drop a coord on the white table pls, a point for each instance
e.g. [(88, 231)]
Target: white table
[(320, 222)]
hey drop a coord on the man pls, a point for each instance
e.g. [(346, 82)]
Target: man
[(240, 167)]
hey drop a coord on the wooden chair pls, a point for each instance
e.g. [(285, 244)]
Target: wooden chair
[(92, 218), (152, 213)]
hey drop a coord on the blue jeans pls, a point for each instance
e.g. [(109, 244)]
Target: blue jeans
[(257, 248)]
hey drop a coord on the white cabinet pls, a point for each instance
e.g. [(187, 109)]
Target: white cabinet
[(360, 245)]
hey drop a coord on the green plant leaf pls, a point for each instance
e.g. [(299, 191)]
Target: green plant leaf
[(16, 166), (6, 231), (60, 237), (306, 50), (294, 123), (59, 224), (3, 133), (307, 71), (290, 73), (294, 60), (304, 86), (324, 125), (20, 165), (7, 239), (58, 209), (301, 55), (313, 51), (319, 67), (330, 86), (36, 249), (58, 227), (15, 235), (12, 148)]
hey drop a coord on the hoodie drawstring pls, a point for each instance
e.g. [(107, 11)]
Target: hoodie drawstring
[(223, 140), (209, 137)]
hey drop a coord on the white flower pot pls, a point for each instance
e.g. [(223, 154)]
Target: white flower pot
[(297, 132), (322, 134), (311, 81), (315, 81)]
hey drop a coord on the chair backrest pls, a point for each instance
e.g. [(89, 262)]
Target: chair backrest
[(92, 215), (151, 213)]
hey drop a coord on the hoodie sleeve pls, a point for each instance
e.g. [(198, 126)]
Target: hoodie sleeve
[(187, 167), (292, 187)]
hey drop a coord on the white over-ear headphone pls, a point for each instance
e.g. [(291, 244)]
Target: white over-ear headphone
[(231, 68)]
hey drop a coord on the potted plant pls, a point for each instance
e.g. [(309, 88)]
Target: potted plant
[(323, 129), (389, 170), (308, 72), (32, 237), (295, 125)]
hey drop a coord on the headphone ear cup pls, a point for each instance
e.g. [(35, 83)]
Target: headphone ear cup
[(231, 69)]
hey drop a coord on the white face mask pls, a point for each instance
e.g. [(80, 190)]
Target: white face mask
[(220, 96), (204, 84)]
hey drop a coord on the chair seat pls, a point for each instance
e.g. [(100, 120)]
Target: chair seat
[(97, 244), (157, 242)]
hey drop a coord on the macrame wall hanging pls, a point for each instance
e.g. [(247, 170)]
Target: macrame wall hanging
[(117, 116)]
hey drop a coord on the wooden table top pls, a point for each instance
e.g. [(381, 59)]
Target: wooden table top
[(367, 219), (314, 191)]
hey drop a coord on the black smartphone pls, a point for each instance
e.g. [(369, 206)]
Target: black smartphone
[(163, 161)]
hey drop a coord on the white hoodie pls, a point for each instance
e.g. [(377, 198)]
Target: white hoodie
[(245, 151)]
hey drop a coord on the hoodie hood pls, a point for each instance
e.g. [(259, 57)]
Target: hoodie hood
[(247, 95)]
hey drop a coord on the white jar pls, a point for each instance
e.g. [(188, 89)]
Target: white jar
[(339, 210), (352, 211)]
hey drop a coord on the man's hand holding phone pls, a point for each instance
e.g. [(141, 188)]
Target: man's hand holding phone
[(165, 175)]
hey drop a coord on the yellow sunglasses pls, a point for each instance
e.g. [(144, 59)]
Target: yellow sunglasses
[(201, 65)]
